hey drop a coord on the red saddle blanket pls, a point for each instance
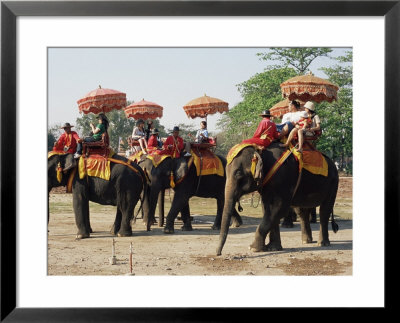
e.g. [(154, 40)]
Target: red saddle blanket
[(207, 163)]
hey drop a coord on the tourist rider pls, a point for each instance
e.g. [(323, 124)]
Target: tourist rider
[(289, 119), (139, 134), (201, 137), (97, 133)]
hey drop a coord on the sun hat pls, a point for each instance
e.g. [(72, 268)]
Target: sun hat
[(265, 113), (309, 105), (66, 125)]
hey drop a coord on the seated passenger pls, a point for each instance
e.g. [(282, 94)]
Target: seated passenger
[(289, 119), (153, 142), (97, 133), (201, 137), (139, 134), (68, 141), (265, 133), (307, 128)]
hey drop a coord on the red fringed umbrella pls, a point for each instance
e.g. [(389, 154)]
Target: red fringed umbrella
[(203, 106), (144, 110), (309, 88), (282, 107), (102, 100)]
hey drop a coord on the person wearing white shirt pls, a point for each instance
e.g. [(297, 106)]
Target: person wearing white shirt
[(289, 119), (201, 136)]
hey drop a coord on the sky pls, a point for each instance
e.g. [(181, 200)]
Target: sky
[(170, 77)]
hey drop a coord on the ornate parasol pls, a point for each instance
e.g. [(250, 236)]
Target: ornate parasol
[(144, 110), (309, 88), (102, 100), (203, 106), (282, 107)]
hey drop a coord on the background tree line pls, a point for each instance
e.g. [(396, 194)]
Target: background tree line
[(262, 91)]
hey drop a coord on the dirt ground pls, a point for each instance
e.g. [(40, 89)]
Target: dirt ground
[(194, 252)]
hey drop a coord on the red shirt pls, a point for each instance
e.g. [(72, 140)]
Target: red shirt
[(177, 146), (152, 143), (67, 140), (265, 133)]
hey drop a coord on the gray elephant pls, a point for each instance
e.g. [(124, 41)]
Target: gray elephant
[(122, 190), (284, 189), (187, 184)]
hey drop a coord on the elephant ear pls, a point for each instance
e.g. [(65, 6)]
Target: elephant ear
[(69, 163), (256, 166), (180, 168)]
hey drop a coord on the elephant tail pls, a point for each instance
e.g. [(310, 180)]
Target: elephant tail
[(335, 226)]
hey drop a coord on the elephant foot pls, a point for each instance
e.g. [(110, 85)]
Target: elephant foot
[(187, 227), (169, 229), (91, 230), (216, 227), (307, 241), (324, 243), (80, 236), (273, 247), (125, 234), (256, 247), (237, 222)]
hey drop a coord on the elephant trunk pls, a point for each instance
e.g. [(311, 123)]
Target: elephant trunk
[(229, 208)]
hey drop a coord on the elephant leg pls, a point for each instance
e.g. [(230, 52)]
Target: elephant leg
[(81, 210), (288, 220), (313, 216), (161, 197), (187, 223), (178, 203), (218, 218), (274, 239), (236, 219), (272, 212), (306, 233), (117, 223), (127, 206), (324, 213)]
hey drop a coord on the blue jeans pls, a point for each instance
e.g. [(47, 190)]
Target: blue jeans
[(279, 127)]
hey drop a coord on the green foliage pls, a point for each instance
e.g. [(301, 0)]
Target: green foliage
[(259, 93), (337, 117), (298, 58), (53, 134)]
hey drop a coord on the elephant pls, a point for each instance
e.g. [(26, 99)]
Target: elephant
[(123, 190), (284, 189), (209, 186)]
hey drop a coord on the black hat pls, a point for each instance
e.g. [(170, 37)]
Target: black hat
[(176, 128), (66, 125), (265, 113), (154, 131)]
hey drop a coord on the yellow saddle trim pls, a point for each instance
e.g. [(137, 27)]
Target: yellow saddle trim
[(235, 150)]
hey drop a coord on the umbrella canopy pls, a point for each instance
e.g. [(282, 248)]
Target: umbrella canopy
[(144, 110), (282, 107), (309, 88), (102, 100), (203, 106)]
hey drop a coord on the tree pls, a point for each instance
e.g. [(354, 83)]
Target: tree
[(259, 93), (53, 134), (337, 117), (298, 58)]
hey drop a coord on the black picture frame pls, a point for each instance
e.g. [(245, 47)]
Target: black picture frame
[(10, 10)]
